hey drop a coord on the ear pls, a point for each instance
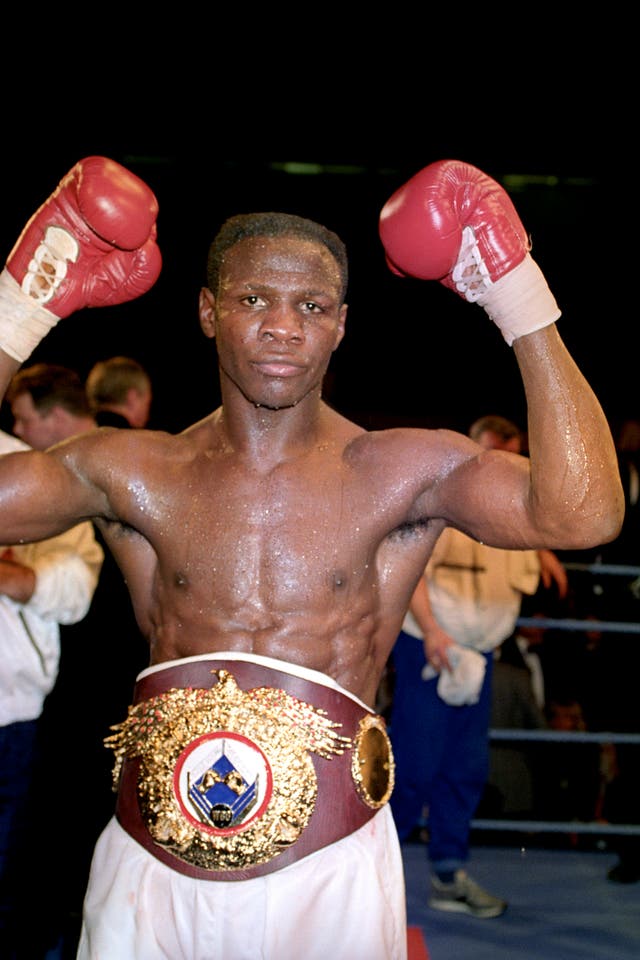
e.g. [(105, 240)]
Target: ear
[(58, 415), (60, 421), (207, 303), (342, 318)]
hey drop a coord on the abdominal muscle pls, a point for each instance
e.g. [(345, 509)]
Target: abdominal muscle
[(342, 646)]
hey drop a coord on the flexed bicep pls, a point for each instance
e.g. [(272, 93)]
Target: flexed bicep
[(488, 497)]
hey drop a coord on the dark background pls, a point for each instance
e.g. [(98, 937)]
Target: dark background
[(414, 352)]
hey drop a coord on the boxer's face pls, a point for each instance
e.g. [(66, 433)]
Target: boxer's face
[(277, 318)]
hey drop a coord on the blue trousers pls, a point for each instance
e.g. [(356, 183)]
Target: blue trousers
[(441, 754), (18, 744)]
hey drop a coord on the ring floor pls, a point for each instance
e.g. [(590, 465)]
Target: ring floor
[(561, 907)]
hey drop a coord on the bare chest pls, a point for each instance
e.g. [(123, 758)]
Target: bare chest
[(271, 532)]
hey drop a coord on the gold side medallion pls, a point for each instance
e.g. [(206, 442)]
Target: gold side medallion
[(226, 779), (372, 763)]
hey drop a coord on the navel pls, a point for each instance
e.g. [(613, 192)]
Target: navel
[(338, 580)]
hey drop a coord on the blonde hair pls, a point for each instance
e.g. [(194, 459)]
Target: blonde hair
[(110, 380)]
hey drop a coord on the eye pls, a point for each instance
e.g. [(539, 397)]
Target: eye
[(310, 306)]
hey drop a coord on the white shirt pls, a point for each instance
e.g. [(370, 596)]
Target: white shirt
[(476, 591), (67, 569)]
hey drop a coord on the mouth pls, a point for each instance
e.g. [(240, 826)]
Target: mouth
[(278, 368)]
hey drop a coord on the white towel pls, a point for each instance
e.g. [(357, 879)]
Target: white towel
[(461, 684)]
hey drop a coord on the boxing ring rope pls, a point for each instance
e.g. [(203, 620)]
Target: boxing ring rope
[(602, 626)]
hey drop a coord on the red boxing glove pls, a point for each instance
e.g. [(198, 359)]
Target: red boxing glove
[(451, 222), (92, 243)]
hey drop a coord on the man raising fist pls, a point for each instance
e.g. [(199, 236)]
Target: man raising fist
[(271, 551)]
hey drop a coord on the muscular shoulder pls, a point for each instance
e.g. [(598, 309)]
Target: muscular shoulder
[(409, 453), (406, 472), (122, 466), (120, 450)]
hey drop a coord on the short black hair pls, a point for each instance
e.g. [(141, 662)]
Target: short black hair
[(245, 225)]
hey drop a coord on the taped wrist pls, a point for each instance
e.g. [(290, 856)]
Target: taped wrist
[(23, 324), (521, 301)]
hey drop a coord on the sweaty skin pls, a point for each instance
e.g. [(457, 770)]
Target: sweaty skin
[(275, 526)]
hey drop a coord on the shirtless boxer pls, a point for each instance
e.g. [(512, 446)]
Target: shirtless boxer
[(271, 551)]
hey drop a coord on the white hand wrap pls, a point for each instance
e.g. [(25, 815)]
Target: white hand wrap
[(23, 324), (520, 302)]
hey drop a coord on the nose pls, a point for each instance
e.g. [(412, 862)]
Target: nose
[(282, 323)]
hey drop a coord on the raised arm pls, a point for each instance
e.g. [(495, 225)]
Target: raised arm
[(453, 223), (92, 243)]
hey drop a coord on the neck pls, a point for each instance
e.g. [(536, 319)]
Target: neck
[(271, 435), (116, 408)]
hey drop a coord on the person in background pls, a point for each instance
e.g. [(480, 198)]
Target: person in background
[(120, 392), (42, 586), (464, 606), (48, 403), (571, 786), (517, 702)]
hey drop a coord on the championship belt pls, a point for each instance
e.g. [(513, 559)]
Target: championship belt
[(228, 769)]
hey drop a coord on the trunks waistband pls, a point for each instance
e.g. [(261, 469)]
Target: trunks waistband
[(229, 769)]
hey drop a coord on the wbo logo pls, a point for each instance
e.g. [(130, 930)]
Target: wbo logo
[(223, 782)]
